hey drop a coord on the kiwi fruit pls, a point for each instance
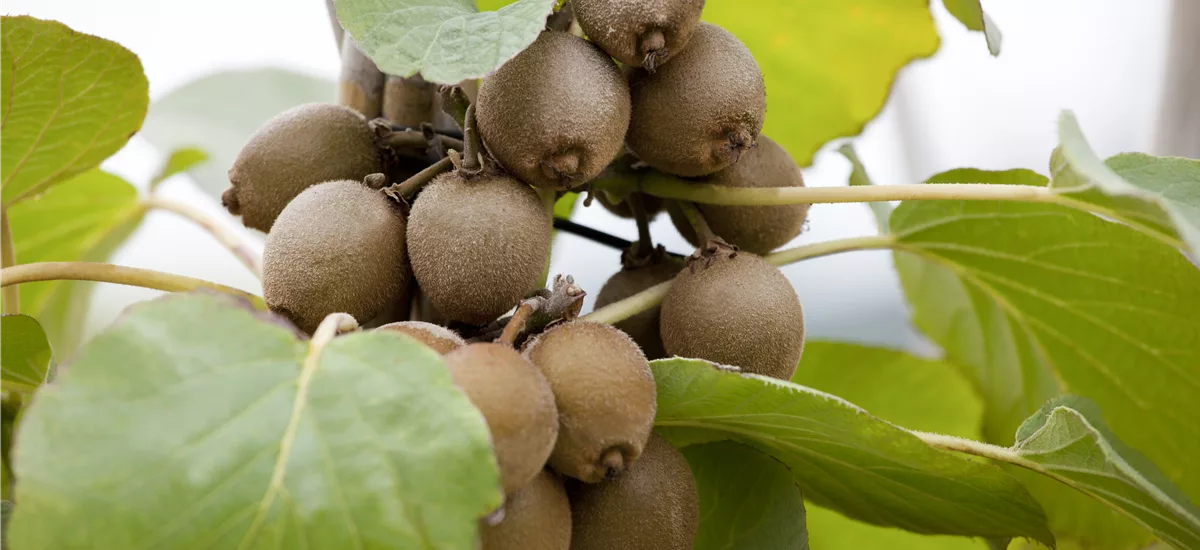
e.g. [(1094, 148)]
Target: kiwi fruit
[(698, 113), (516, 402), (738, 311), (630, 280), (555, 115), (298, 148), (757, 229), (479, 246), (642, 33), (537, 517), (605, 396), (337, 247), (653, 505), (435, 337)]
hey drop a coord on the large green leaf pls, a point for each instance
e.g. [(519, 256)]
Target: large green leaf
[(828, 65), (1036, 299), (69, 101), (219, 113), (84, 219), (447, 41), (196, 423), (841, 456), (1068, 439), (27, 360), (747, 499)]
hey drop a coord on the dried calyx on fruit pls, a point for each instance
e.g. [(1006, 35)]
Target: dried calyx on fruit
[(698, 113), (537, 517), (642, 33), (555, 115), (337, 247), (435, 337), (636, 275), (293, 151)]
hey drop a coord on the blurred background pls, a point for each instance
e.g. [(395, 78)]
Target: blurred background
[(1130, 70)]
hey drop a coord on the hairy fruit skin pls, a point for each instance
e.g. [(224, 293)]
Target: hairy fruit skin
[(337, 247), (643, 327), (555, 115), (738, 311), (641, 33), (653, 505), (605, 395), (517, 404), (435, 337), (698, 113), (757, 229), (298, 148), (478, 247), (537, 517)]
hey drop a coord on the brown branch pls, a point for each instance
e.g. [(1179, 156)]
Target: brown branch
[(409, 187), (517, 323)]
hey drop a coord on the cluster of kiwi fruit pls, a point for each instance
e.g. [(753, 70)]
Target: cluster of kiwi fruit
[(632, 89)]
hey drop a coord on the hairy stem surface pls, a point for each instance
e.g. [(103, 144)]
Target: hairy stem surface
[(108, 273)]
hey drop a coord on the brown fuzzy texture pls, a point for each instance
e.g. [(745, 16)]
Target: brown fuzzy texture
[(627, 29), (338, 247), (517, 404), (694, 115), (757, 229), (299, 148), (643, 327), (738, 311), (556, 114), (538, 517), (478, 247), (654, 505), (436, 337), (605, 395)]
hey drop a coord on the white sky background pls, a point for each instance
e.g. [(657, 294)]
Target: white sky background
[(1103, 59)]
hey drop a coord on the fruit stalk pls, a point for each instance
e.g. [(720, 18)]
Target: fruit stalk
[(8, 258), (230, 240), (696, 219), (645, 244), (517, 323), (472, 162), (411, 186), (117, 274)]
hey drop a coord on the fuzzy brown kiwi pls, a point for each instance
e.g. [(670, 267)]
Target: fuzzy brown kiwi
[(630, 280), (555, 115), (757, 229), (298, 148), (653, 505), (605, 395), (337, 247), (436, 337), (698, 113), (479, 246), (737, 311), (516, 402), (538, 517), (642, 33)]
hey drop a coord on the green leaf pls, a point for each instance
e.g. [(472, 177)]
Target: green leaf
[(1068, 439), (84, 219), (447, 41), (1033, 300), (70, 100), (858, 176), (219, 113), (196, 423), (1157, 195), (181, 160), (842, 457), (27, 361), (564, 205), (829, 66), (747, 499), (971, 14)]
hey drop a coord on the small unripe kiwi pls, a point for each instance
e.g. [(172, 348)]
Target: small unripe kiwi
[(555, 115), (479, 246), (299, 148), (435, 337), (642, 33), (738, 311), (605, 396), (630, 280), (337, 247), (653, 505), (698, 113), (516, 402), (757, 229), (538, 517)]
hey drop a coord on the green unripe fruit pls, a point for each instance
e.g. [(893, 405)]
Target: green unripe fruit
[(643, 327), (435, 337), (641, 33), (538, 517), (337, 247)]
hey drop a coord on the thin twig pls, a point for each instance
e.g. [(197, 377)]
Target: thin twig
[(8, 258), (108, 273), (472, 146), (517, 323), (409, 187), (227, 237), (415, 139), (563, 301), (696, 219), (645, 242)]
